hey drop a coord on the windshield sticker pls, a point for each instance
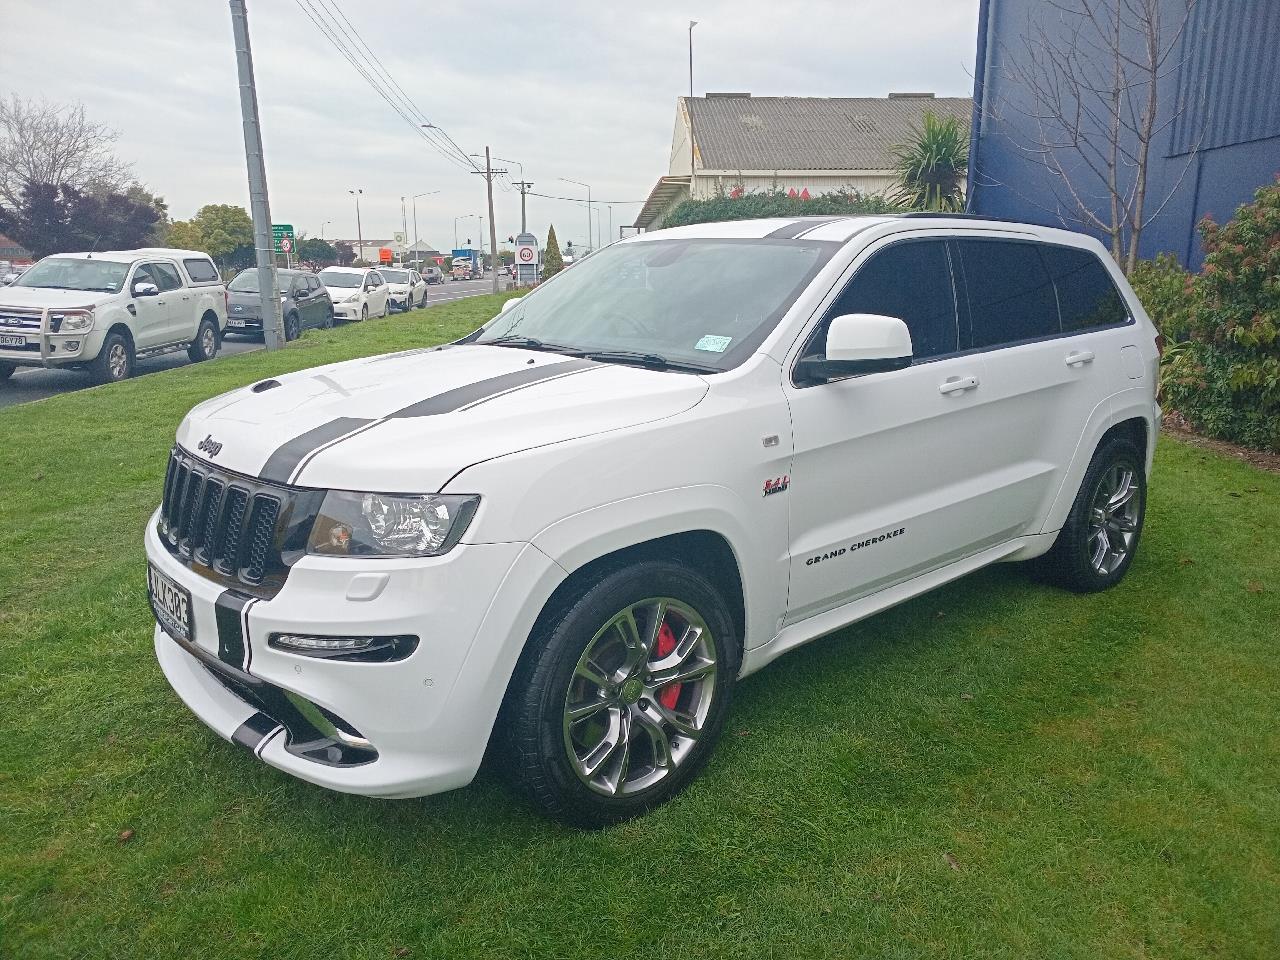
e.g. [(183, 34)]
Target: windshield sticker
[(713, 344)]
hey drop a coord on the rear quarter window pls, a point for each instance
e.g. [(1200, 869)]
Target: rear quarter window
[(200, 270), (1087, 297)]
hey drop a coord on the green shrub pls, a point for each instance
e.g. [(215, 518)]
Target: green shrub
[(931, 167), (1198, 381), (1167, 293), (776, 203)]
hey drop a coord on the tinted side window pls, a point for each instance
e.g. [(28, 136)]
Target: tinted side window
[(910, 281), (200, 270), (167, 275), (1010, 295), (144, 275), (1086, 296)]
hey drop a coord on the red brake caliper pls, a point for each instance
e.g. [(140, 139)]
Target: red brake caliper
[(669, 694)]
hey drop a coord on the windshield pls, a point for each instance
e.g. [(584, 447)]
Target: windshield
[(703, 302), (395, 276), (332, 278), (65, 273), (247, 282)]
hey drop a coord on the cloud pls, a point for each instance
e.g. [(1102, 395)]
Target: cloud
[(573, 89)]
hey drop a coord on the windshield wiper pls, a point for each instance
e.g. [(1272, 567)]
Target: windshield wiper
[(651, 361), (526, 343)]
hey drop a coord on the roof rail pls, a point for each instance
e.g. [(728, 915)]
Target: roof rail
[(938, 215)]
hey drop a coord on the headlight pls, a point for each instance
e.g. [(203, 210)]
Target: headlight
[(381, 525), (352, 299), (74, 321)]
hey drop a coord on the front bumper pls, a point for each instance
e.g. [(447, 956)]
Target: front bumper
[(347, 311), (407, 728), (43, 347)]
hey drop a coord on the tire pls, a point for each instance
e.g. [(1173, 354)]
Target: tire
[(6, 370), (1108, 509), (328, 318), (115, 361), (364, 312), (205, 345), (292, 327), (551, 757), (386, 308)]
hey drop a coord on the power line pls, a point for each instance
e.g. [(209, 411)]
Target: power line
[(321, 21), (594, 202), (413, 107)]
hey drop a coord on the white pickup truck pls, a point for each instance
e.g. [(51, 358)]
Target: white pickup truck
[(102, 311)]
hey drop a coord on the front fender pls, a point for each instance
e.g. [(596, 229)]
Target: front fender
[(583, 537)]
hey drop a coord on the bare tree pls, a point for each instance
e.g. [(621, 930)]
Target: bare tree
[(57, 144), (1092, 78)]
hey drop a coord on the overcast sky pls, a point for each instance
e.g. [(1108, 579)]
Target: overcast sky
[(580, 90)]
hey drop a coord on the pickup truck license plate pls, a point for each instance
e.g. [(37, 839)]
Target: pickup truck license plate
[(6, 340), (171, 605), (235, 321)]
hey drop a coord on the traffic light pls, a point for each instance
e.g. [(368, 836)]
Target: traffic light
[(511, 239)]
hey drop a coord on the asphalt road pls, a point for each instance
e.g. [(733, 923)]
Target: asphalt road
[(33, 383)]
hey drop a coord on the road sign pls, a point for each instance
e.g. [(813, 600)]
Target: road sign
[(526, 259), (286, 245), (527, 254), (281, 232)]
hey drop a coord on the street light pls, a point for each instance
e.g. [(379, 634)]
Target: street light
[(581, 184), (415, 216), (322, 226), (359, 229), (455, 227)]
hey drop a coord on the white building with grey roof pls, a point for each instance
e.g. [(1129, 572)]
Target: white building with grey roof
[(814, 144)]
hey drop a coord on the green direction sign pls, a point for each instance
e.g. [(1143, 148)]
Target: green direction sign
[(280, 233)]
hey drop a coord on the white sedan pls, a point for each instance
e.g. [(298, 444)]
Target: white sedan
[(358, 293), (405, 288)]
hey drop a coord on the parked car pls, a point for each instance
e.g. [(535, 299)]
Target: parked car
[(572, 531), (432, 273), (304, 302), (357, 292), (102, 311), (405, 288), (10, 275)]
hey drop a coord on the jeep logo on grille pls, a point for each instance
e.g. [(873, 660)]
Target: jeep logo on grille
[(210, 446)]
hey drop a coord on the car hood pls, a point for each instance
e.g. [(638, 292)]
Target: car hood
[(408, 422), (44, 297), (340, 293), (241, 298)]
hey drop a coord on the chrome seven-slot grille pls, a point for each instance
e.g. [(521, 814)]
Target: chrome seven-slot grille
[(227, 526)]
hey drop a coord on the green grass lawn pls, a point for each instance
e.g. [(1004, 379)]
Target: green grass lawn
[(996, 769)]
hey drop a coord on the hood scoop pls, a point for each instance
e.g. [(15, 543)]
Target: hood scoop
[(262, 386)]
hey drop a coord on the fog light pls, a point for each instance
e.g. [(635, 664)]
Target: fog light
[(361, 649), (73, 346)]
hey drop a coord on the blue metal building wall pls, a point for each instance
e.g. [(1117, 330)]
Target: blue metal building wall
[(1220, 120)]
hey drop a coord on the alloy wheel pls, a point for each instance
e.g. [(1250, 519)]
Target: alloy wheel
[(208, 341), (1113, 518), (639, 697), (118, 361)]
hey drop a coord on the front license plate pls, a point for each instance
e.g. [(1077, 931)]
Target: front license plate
[(235, 321), (171, 605), (10, 341)]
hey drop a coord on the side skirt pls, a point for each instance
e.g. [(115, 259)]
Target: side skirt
[(798, 634)]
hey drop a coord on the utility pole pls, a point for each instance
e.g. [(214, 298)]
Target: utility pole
[(524, 186), (404, 231), (359, 229), (489, 173), (264, 245)]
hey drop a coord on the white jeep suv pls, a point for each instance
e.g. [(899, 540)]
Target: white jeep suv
[(103, 311), (574, 530)]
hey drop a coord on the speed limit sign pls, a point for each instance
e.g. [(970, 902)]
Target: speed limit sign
[(526, 254)]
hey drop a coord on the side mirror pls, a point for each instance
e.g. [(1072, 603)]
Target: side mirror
[(860, 343), (141, 288), (509, 304)]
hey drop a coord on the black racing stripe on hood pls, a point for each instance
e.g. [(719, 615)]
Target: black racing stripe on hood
[(455, 399), (281, 464)]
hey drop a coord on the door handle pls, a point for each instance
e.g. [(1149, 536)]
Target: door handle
[(957, 385), (1078, 358)]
